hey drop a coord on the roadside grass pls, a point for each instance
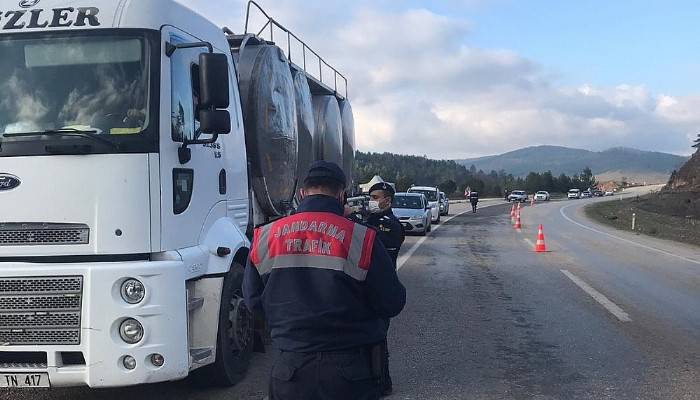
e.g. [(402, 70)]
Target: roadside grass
[(672, 216)]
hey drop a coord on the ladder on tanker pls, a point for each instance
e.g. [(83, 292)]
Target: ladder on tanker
[(323, 78)]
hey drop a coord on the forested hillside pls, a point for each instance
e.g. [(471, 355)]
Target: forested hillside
[(453, 178)]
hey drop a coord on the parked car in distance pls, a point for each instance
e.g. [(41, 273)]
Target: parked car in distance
[(542, 195), (413, 210), (517, 195), (609, 193), (433, 196), (574, 194), (586, 194), (444, 204), (598, 193)]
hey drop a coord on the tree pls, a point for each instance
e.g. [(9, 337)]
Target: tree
[(587, 179), (547, 182), (532, 182), (449, 187)]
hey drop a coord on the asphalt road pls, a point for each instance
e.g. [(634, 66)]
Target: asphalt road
[(603, 315)]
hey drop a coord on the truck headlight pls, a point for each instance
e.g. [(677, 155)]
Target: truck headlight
[(131, 331), (133, 291)]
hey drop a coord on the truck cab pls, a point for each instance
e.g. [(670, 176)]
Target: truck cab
[(123, 230)]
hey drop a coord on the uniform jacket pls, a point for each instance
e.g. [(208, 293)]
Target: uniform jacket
[(324, 283), (390, 232)]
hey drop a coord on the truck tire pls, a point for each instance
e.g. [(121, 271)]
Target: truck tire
[(235, 339)]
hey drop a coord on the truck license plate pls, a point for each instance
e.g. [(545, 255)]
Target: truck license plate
[(40, 380)]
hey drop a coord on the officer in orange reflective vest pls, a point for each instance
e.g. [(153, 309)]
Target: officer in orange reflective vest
[(326, 286)]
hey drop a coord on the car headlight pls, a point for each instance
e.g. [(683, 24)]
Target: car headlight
[(131, 331), (419, 216), (133, 291)]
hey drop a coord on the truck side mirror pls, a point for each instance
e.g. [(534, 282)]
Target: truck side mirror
[(215, 122), (213, 81)]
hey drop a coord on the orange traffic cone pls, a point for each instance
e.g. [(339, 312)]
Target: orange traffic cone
[(517, 225), (518, 210), (540, 246), (512, 211)]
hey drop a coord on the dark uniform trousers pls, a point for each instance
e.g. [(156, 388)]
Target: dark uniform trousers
[(390, 232), (336, 375)]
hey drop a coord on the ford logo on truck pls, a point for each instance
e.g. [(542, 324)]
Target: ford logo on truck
[(28, 3), (8, 182)]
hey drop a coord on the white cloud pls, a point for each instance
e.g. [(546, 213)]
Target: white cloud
[(418, 87)]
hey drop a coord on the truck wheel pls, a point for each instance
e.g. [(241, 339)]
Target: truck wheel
[(235, 339)]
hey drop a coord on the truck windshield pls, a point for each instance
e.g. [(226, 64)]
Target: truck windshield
[(431, 195), (84, 85)]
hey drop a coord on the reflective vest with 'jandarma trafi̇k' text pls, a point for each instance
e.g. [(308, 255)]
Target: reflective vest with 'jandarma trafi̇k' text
[(314, 240)]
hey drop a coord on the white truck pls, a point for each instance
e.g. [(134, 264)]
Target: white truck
[(140, 144)]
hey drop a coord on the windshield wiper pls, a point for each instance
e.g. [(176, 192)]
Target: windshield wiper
[(87, 133)]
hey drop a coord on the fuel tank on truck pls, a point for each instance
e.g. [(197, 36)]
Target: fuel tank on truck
[(306, 125), (270, 118), (348, 126), (328, 138)]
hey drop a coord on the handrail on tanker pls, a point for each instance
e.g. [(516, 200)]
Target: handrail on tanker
[(271, 22)]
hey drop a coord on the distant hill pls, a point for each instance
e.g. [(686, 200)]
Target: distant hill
[(636, 165)]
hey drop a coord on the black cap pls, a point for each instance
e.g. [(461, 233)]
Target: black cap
[(383, 186), (325, 169)]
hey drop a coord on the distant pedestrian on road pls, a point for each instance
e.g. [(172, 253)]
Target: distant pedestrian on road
[(474, 199), (327, 287)]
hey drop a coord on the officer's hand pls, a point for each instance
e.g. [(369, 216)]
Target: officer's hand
[(347, 211)]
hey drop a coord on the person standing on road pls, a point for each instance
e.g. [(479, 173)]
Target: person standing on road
[(474, 199), (327, 287), (391, 233)]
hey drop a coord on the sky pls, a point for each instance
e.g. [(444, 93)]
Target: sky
[(465, 78)]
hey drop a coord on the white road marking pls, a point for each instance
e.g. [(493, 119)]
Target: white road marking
[(614, 309), (404, 257), (529, 242), (566, 217)]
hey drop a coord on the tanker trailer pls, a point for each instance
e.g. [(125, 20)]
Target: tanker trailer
[(270, 119)]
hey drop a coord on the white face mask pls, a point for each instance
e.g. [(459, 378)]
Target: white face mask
[(373, 206)]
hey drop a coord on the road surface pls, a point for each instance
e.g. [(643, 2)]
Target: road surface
[(603, 315)]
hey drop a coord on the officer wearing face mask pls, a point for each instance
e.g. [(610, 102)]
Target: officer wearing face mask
[(382, 218)]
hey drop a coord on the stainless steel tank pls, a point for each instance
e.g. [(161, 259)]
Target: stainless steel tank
[(270, 118), (328, 137), (306, 124), (348, 126)]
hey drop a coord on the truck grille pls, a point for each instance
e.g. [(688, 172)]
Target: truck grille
[(40, 310), (34, 234)]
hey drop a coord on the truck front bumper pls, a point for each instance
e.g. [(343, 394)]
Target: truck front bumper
[(96, 358)]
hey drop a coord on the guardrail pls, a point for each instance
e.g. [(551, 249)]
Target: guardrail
[(272, 23)]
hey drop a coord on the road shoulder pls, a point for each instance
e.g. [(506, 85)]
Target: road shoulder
[(575, 214)]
